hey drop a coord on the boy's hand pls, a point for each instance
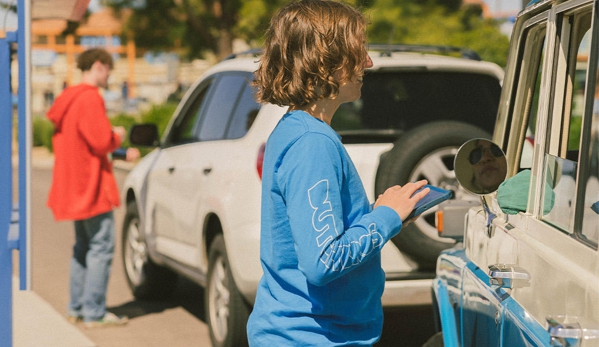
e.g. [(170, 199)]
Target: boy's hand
[(132, 154), (400, 198), (120, 131)]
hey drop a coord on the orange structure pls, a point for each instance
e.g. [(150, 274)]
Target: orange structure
[(47, 35)]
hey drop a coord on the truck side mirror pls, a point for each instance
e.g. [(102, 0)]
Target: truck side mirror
[(480, 166)]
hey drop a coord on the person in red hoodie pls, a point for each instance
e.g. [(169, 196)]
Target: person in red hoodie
[(84, 188)]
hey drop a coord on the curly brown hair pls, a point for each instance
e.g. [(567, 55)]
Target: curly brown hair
[(306, 43), (92, 55)]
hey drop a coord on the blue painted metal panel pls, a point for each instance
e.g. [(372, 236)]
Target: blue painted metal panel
[(485, 316), (450, 266), (5, 195), (446, 314), (481, 309), (521, 329)]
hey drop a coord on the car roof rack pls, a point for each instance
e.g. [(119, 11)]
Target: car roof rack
[(388, 49), (254, 52)]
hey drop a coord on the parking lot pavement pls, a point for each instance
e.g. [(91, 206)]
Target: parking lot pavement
[(36, 323)]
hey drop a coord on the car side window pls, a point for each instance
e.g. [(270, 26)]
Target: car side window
[(590, 214), (182, 131), (529, 88), (245, 113), (562, 154), (220, 107), (590, 164)]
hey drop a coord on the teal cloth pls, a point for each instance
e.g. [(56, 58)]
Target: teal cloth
[(512, 194)]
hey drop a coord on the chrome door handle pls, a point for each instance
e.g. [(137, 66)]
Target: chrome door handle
[(508, 276), (562, 334), (569, 334)]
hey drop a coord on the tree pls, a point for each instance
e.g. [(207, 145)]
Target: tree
[(195, 27), (397, 21)]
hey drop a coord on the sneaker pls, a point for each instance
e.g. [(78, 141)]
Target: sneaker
[(74, 319), (109, 319)]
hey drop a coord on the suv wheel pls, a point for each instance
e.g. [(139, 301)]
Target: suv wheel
[(146, 279), (425, 152), (227, 311)]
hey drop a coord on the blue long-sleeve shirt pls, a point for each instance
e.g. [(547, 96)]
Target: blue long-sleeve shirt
[(320, 243)]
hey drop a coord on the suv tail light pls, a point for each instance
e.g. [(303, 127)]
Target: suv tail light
[(260, 160)]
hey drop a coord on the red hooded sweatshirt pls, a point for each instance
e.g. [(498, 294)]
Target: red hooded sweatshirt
[(83, 185)]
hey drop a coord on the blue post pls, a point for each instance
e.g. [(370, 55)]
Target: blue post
[(25, 141), (5, 195)]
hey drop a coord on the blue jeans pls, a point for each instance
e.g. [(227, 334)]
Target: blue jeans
[(90, 266)]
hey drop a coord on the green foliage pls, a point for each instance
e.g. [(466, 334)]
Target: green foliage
[(393, 21), (190, 26), (194, 27), (124, 120), (575, 131), (159, 115), (149, 24), (42, 132)]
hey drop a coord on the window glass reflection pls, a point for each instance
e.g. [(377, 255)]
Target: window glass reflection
[(590, 215), (532, 74)]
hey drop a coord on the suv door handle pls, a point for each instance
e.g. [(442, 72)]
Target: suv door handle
[(569, 334), (508, 276)]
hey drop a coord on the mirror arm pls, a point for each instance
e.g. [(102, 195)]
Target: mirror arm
[(490, 216)]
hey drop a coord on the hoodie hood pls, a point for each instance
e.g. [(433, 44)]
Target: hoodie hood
[(61, 105)]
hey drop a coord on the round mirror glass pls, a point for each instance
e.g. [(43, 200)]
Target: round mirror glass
[(480, 166)]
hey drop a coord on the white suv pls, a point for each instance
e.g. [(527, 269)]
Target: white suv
[(527, 273), (193, 204)]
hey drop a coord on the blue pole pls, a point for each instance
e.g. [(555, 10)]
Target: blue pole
[(25, 141), (5, 195)]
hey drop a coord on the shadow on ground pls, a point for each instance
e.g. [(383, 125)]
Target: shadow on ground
[(407, 326), (404, 327), (188, 295)]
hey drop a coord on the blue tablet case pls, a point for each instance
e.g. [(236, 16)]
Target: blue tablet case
[(433, 198)]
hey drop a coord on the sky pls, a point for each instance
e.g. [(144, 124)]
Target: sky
[(504, 6), (506, 9)]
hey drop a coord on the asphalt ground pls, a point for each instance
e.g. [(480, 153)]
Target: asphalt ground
[(38, 314)]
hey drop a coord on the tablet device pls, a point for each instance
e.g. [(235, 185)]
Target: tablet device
[(434, 197)]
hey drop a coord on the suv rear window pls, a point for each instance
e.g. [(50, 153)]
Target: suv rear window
[(403, 100)]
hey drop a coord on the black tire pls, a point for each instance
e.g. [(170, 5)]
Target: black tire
[(147, 280), (227, 312), (429, 146)]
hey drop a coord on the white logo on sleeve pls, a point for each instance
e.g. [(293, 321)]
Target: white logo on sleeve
[(323, 222), (323, 219)]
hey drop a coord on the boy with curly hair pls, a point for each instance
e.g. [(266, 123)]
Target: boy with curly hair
[(320, 236)]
